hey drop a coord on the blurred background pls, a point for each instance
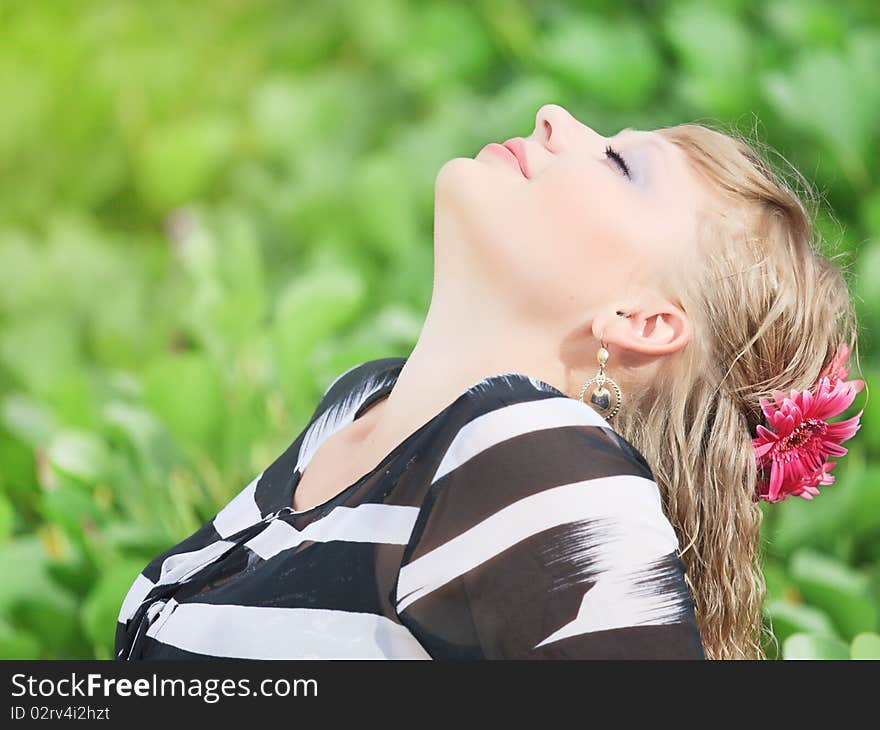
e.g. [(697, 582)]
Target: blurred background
[(208, 211)]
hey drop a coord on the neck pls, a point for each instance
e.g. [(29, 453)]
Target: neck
[(470, 332)]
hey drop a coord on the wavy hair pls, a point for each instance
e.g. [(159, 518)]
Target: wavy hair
[(768, 311)]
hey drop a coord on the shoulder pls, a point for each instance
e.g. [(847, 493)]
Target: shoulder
[(370, 375), (553, 527), (562, 437), (545, 462)]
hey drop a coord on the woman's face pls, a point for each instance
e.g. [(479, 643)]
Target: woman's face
[(574, 231)]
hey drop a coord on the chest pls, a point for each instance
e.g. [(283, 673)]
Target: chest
[(337, 463), (334, 467)]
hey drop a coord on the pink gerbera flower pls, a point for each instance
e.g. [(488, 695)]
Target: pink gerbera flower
[(797, 453)]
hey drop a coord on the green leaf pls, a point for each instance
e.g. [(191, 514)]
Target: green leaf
[(75, 572), (293, 114), (223, 258), (799, 523), (28, 419), (717, 54), (842, 592), (865, 646), (22, 276), (25, 573), (384, 207), (422, 53), (186, 391), (18, 476), (179, 161), (792, 618), (79, 454), (71, 507), (868, 298), (55, 621), (116, 332), (309, 310), (16, 643), (132, 540), (611, 61), (809, 646), (7, 519), (101, 608), (40, 351), (775, 578), (83, 261), (708, 39), (834, 98), (805, 22), (862, 520)]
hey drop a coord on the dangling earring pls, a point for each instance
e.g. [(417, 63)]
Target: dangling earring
[(600, 397)]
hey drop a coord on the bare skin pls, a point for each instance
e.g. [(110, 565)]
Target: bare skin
[(529, 273), (339, 462)]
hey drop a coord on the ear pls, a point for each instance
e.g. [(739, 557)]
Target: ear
[(654, 327)]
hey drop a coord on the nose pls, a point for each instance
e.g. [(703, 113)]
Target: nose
[(551, 122)]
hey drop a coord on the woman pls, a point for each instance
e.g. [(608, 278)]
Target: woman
[(474, 500)]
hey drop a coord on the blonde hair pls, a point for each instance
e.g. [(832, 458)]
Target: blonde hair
[(768, 311)]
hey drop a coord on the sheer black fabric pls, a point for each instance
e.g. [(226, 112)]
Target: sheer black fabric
[(513, 524)]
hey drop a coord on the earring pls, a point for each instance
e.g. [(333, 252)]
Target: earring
[(600, 397)]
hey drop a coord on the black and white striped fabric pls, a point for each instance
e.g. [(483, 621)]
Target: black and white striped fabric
[(515, 524)]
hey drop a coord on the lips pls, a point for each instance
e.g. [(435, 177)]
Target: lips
[(518, 148), (505, 154)]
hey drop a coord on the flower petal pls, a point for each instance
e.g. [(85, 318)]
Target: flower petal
[(835, 402), (807, 401), (843, 430), (776, 479)]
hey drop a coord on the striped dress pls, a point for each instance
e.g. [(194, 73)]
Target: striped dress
[(514, 524)]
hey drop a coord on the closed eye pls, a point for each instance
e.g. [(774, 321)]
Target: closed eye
[(611, 153)]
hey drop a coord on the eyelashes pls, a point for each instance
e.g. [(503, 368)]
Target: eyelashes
[(611, 153)]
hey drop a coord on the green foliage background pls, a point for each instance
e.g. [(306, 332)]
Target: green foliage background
[(210, 210)]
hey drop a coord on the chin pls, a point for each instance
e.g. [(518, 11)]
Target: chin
[(455, 172), (459, 186)]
